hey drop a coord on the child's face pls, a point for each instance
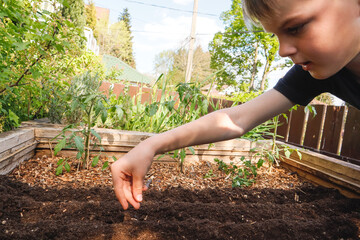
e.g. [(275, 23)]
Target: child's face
[(321, 35)]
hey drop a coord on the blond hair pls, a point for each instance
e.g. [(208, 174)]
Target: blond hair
[(256, 10)]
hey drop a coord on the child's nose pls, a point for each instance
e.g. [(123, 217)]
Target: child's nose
[(287, 48)]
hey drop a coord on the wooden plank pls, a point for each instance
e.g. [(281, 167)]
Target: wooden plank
[(11, 139), (318, 181), (9, 151), (326, 171), (314, 127), (296, 125), (330, 164), (351, 143), (11, 161), (332, 129), (283, 126)]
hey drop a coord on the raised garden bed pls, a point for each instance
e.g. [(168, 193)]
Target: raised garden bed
[(36, 204)]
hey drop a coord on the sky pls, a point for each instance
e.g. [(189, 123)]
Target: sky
[(159, 25), (166, 24)]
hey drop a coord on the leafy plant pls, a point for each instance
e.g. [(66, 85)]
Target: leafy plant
[(243, 174), (62, 164), (33, 46), (86, 103)]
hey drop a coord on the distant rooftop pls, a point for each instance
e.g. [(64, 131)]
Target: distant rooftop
[(128, 73)]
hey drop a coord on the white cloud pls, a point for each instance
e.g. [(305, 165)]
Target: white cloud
[(170, 33)]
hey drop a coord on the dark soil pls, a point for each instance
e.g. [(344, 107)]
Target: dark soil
[(302, 212)]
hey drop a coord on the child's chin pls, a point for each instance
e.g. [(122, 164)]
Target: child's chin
[(320, 75)]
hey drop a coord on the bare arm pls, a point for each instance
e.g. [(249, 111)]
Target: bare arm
[(129, 171)]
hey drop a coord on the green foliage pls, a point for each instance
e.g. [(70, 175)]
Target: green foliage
[(90, 13), (126, 18), (74, 10), (116, 40), (61, 165), (36, 46), (247, 56), (243, 95), (173, 65), (85, 106), (242, 174), (157, 116)]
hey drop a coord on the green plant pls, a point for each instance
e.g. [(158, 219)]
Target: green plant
[(243, 174), (87, 103), (33, 44), (62, 164)]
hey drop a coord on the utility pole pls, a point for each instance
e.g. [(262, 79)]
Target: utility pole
[(192, 41)]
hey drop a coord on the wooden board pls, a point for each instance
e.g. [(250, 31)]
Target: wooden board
[(12, 139), (11, 161), (326, 171)]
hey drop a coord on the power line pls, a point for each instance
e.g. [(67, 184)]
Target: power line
[(170, 8)]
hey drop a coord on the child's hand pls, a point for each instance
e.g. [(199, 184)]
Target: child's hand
[(128, 176)]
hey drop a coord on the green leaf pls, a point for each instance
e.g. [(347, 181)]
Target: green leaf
[(115, 159), (105, 165), (67, 167), (151, 109), (287, 153), (182, 155), (192, 150), (59, 146), (20, 46), (60, 161), (59, 170), (103, 115), (260, 163), (93, 132), (95, 161), (79, 143), (119, 111), (78, 155), (13, 117)]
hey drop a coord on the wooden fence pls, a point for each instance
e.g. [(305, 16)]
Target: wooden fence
[(333, 131)]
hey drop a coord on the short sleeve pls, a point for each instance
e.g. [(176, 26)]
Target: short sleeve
[(298, 86)]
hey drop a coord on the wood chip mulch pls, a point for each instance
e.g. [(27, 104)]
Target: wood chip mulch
[(41, 172)]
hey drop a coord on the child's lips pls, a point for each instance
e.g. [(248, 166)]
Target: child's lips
[(305, 65)]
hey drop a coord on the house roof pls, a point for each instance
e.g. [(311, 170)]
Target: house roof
[(128, 73)]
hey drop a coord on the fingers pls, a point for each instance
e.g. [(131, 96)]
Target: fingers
[(138, 186), (128, 188)]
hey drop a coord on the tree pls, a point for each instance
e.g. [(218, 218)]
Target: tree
[(173, 64), (246, 57), (36, 48), (126, 18), (117, 42), (91, 20), (75, 11)]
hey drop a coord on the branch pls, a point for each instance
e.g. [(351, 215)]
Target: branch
[(28, 69)]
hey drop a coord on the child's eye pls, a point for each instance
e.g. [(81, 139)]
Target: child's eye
[(295, 30)]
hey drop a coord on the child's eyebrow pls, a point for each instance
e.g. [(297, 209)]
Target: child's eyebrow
[(289, 20)]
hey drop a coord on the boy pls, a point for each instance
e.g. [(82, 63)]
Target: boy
[(322, 37)]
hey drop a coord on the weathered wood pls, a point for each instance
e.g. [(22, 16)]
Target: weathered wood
[(11, 150), (14, 159), (326, 171), (11, 139)]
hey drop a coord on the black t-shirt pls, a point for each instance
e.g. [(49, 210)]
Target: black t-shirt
[(300, 87)]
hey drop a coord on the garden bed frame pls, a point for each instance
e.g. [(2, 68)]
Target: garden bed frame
[(35, 139)]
